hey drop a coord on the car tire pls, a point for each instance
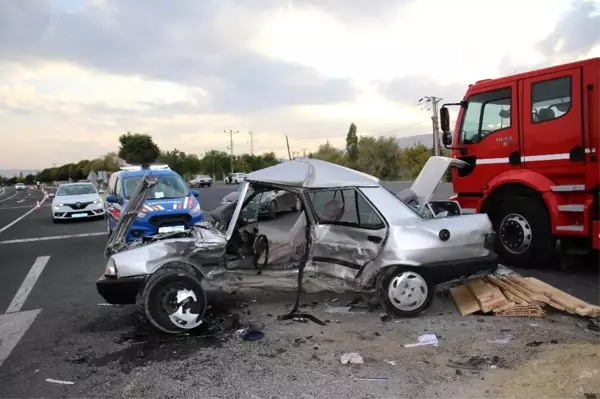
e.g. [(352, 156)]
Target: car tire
[(55, 221), (404, 291), (523, 232), (209, 184), (272, 212), (160, 298)]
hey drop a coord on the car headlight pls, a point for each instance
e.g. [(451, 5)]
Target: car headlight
[(111, 268), (141, 215), (196, 209), (58, 205), (223, 201), (98, 201)]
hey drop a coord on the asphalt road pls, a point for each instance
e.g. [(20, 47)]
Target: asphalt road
[(54, 325)]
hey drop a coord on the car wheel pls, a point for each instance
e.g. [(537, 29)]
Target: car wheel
[(55, 221), (174, 300), (272, 213), (298, 205), (523, 232), (404, 292)]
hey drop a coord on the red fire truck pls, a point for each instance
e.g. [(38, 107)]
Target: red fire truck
[(531, 142)]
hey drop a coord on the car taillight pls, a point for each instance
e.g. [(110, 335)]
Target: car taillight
[(116, 213)]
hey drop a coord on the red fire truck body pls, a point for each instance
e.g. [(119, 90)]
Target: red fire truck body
[(531, 142)]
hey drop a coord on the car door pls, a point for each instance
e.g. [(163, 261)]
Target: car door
[(114, 209), (349, 232)]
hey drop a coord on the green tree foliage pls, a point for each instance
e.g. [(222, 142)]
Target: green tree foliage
[(29, 179), (378, 156), (138, 149), (352, 144)]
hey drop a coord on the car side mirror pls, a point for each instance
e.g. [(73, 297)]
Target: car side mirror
[(195, 193), (112, 199)]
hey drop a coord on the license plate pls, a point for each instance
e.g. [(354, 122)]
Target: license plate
[(79, 215), (170, 229)]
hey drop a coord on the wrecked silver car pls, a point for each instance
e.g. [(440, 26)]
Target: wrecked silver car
[(352, 235)]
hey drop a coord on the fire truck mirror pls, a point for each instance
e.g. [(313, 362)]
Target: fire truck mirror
[(447, 139), (504, 113), (445, 119)]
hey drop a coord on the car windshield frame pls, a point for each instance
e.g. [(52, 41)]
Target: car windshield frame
[(177, 192), (71, 189)]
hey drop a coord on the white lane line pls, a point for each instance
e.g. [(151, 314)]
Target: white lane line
[(12, 328), (6, 199), (21, 200), (20, 240), (20, 217), (2, 208), (27, 285)]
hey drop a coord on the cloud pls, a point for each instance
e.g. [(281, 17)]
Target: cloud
[(185, 42), (410, 89), (575, 35)]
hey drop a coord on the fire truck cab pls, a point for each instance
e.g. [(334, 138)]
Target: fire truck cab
[(531, 141)]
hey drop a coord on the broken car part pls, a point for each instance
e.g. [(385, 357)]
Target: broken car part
[(351, 235)]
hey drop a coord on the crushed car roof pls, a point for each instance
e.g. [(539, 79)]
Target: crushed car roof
[(312, 173)]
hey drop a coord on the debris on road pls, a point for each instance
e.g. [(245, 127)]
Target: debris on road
[(425, 339), (391, 362), (505, 340), (352, 358), (512, 295), (476, 363), (253, 335), (342, 310), (59, 381)]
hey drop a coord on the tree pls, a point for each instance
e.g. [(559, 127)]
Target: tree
[(29, 179), (138, 149), (416, 157), (329, 153), (352, 144)]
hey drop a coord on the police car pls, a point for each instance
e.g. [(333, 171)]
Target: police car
[(170, 205)]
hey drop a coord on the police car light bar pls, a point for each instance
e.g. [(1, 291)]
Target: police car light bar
[(151, 167)]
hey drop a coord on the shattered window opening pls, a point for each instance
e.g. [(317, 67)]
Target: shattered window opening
[(351, 210)]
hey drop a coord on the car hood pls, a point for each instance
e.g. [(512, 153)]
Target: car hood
[(117, 240), (73, 199), (431, 175)]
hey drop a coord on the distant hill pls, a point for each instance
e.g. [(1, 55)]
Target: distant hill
[(409, 141), (8, 173)]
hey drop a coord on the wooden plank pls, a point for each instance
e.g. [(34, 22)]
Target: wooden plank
[(558, 295), (532, 295), (465, 300), (483, 292), (508, 305), (508, 288), (515, 299), (522, 311)]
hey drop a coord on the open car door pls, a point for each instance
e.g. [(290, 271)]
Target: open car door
[(349, 232)]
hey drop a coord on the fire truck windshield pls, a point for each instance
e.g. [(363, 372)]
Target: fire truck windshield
[(486, 113)]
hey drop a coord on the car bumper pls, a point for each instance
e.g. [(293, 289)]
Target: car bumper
[(67, 214), (120, 291), (455, 269)]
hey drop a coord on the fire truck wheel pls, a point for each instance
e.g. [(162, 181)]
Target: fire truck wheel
[(523, 232)]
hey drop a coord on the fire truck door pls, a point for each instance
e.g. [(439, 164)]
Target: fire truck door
[(551, 126)]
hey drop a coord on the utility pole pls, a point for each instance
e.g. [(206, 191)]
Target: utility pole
[(288, 147), (231, 133), (251, 143), (432, 101)]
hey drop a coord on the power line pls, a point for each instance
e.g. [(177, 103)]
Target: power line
[(231, 133)]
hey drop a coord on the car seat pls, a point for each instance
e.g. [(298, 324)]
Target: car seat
[(546, 114), (333, 210)]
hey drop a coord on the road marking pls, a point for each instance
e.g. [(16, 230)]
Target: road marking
[(6, 199), (2, 208), (20, 217), (12, 328), (20, 240), (27, 285), (21, 200)]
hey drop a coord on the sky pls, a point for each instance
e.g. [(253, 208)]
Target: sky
[(76, 74)]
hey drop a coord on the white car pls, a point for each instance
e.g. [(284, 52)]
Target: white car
[(201, 181), (20, 186), (77, 201), (235, 178)]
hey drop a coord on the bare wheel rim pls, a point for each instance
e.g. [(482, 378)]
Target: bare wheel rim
[(408, 291), (515, 233), (181, 306)]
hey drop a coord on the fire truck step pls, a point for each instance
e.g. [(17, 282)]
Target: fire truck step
[(568, 187), (573, 227), (571, 208)]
